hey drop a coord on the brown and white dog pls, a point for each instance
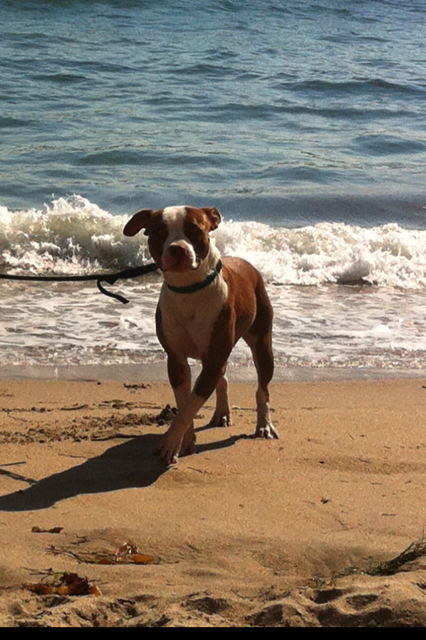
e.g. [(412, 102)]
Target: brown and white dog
[(206, 305)]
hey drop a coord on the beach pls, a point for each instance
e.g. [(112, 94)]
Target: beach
[(243, 533), (303, 123)]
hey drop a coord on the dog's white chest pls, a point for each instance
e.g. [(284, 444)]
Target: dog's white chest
[(187, 320)]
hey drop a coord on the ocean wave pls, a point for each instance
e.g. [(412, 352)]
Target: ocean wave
[(370, 86), (386, 145), (316, 322), (73, 235), (60, 78), (325, 253), (12, 123)]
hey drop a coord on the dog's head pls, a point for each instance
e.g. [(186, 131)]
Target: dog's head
[(178, 237)]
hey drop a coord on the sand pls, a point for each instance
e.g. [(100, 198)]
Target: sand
[(245, 532)]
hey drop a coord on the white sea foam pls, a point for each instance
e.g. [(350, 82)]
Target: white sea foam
[(330, 252), (72, 235), (75, 235), (322, 325)]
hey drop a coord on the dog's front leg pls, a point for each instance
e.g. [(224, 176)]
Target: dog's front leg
[(180, 379), (173, 441), (179, 374), (176, 436)]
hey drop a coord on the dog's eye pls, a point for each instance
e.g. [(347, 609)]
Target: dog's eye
[(193, 230), (161, 232)]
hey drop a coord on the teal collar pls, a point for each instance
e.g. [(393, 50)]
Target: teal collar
[(198, 286)]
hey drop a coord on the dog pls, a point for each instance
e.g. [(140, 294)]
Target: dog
[(206, 305)]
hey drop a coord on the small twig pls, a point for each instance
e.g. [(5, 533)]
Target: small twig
[(390, 567), (411, 553), (17, 476), (13, 464)]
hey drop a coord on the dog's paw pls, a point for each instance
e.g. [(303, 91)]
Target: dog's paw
[(168, 450), (187, 448), (266, 431), (219, 419)]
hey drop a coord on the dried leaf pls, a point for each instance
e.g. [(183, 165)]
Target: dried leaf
[(127, 553), (40, 589), (127, 548), (99, 558), (141, 559), (75, 584), (54, 530), (63, 584), (52, 549)]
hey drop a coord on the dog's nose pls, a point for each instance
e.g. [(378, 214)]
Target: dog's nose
[(177, 251), (178, 256)]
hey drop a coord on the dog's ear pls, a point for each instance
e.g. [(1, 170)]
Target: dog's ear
[(213, 215), (138, 221)]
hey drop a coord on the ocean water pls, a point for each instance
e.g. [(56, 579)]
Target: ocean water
[(303, 122)]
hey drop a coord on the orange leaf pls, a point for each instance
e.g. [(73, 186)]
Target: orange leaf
[(140, 559), (40, 588)]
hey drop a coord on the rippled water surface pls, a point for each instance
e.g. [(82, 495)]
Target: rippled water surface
[(304, 122), (125, 102)]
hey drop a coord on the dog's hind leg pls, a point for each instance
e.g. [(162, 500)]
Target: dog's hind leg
[(222, 413), (259, 339), (264, 362)]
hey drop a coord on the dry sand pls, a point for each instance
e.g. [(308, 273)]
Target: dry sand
[(245, 532)]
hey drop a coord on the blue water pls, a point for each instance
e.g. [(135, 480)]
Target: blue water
[(303, 121), (269, 109)]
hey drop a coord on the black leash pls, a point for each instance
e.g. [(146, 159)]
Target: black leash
[(110, 278)]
